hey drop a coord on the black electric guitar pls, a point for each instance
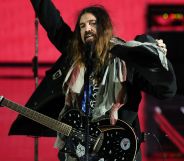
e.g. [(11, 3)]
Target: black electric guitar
[(110, 143)]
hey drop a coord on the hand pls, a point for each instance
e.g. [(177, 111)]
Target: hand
[(113, 116), (162, 45), (114, 113)]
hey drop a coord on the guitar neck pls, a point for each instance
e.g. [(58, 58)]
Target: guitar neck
[(37, 117)]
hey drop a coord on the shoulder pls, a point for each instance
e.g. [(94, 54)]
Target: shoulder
[(117, 41)]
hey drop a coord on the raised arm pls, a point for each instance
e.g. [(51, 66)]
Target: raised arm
[(58, 31)]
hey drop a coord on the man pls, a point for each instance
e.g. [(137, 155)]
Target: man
[(117, 70)]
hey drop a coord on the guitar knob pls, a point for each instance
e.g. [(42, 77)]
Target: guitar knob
[(125, 143)]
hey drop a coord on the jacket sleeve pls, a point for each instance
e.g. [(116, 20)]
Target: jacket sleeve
[(158, 78), (152, 71), (48, 98), (58, 31), (158, 82)]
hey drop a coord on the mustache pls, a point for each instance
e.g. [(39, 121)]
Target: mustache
[(89, 33)]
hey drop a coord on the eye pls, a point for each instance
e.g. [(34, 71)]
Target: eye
[(82, 25), (93, 23)]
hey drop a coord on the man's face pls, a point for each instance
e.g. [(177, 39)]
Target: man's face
[(88, 28)]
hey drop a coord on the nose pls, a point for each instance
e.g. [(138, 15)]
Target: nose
[(88, 27)]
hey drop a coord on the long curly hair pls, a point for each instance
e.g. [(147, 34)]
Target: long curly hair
[(102, 44)]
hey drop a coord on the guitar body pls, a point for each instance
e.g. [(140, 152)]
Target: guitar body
[(110, 143)]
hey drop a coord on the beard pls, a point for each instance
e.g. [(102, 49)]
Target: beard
[(90, 37)]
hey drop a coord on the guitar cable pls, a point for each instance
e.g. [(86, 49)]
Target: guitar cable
[(146, 135)]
